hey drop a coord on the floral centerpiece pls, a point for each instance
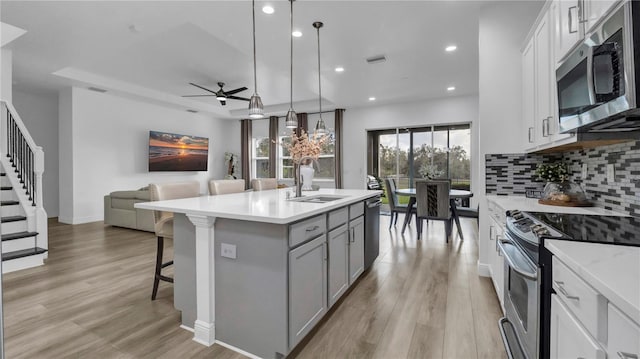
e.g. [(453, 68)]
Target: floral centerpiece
[(559, 191), (304, 149)]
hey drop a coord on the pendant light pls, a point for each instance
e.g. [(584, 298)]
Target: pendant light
[(292, 118), (320, 127), (256, 110)]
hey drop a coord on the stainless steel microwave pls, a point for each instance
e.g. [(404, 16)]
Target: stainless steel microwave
[(598, 82)]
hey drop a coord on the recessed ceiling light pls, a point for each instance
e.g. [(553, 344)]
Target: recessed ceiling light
[(372, 98), (296, 33), (450, 48), (339, 69), (451, 88), (267, 9)]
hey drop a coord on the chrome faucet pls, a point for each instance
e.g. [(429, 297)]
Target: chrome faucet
[(298, 175)]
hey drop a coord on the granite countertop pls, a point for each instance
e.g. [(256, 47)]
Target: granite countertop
[(612, 270), (532, 205), (260, 206)]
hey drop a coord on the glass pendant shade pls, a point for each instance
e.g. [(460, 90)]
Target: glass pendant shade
[(292, 119), (256, 110)]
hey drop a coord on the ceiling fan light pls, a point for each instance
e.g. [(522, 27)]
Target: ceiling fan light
[(321, 129), (256, 110), (292, 119), (221, 97)]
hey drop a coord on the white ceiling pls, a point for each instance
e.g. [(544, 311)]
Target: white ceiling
[(178, 42)]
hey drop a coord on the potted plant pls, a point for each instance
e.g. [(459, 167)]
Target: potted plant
[(559, 191)]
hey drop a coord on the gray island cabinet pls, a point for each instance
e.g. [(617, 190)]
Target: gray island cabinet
[(273, 279)]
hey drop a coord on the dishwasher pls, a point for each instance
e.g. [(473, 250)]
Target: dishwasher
[(371, 230)]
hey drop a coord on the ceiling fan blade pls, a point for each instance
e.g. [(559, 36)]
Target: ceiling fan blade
[(200, 87), (240, 89), (198, 95), (223, 102), (238, 98)]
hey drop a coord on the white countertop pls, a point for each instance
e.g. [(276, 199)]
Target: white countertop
[(612, 270), (531, 205), (260, 206)]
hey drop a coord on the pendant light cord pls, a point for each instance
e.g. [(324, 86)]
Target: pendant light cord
[(255, 77), (319, 82), (291, 58)]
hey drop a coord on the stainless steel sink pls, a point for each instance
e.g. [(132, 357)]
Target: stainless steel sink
[(317, 199)]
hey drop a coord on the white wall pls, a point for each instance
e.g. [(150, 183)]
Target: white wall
[(449, 110), (108, 138), (40, 115), (502, 29), (6, 74)]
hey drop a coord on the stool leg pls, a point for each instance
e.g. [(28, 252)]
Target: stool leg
[(156, 277)]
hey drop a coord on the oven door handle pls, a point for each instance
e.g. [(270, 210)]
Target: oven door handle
[(510, 251)]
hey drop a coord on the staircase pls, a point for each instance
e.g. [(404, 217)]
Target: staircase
[(23, 220)]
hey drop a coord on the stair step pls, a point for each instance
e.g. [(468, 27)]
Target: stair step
[(9, 203), (3, 174), (22, 253), (8, 219), (6, 188), (17, 235)]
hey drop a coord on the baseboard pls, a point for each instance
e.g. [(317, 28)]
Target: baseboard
[(237, 350), (80, 220), (484, 270)]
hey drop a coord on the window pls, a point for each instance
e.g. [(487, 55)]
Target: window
[(260, 149), (436, 152)]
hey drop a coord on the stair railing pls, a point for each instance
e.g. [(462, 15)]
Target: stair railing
[(26, 158)]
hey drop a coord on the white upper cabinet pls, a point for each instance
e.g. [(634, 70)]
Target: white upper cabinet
[(528, 94), (568, 30), (544, 76), (594, 10)]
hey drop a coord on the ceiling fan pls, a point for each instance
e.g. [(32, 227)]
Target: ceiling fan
[(221, 95)]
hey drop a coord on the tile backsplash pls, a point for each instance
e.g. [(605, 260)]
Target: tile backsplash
[(508, 174)]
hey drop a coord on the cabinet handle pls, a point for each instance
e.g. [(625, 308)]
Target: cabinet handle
[(311, 229), (353, 235), (564, 291), (548, 125), (490, 232), (571, 31), (497, 240), (530, 136), (625, 355), (544, 128)]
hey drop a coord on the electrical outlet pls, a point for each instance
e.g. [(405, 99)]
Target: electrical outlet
[(228, 250), (584, 171), (611, 173)]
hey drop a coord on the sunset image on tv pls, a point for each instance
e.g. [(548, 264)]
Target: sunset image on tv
[(173, 152)]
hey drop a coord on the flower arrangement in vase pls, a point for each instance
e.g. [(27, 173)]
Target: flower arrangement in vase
[(304, 149), (559, 191)]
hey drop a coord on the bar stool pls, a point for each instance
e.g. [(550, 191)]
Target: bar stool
[(263, 184), (164, 221), (217, 187)]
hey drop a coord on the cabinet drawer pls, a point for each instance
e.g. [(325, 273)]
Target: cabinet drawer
[(338, 217), (356, 210), (308, 229), (624, 335), (569, 339), (586, 304)]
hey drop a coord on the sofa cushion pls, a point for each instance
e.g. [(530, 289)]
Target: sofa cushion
[(143, 195), (123, 203), (124, 194)]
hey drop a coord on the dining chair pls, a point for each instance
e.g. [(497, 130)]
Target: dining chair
[(394, 204), (217, 187), (433, 203), (263, 184), (467, 212), (163, 221)]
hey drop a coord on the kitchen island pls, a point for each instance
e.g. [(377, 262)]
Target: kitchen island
[(255, 271)]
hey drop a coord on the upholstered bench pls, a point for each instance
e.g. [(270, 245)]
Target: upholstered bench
[(119, 210)]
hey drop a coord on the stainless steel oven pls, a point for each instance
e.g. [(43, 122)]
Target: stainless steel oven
[(519, 327), (597, 83)]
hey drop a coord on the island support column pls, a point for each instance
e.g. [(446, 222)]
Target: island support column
[(204, 327)]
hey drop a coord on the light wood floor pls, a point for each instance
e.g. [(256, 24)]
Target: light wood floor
[(92, 300)]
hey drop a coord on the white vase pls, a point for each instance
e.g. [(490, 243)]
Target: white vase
[(307, 172)]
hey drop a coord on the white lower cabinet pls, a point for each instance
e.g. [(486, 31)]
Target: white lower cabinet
[(623, 336), (307, 287), (338, 242), (356, 248), (569, 339), (496, 260)]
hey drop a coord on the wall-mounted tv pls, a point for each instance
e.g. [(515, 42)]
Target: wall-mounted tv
[(174, 152)]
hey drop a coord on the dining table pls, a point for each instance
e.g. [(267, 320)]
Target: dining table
[(453, 195)]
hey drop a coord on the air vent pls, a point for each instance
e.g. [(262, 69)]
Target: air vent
[(192, 111), (376, 59), (97, 89)]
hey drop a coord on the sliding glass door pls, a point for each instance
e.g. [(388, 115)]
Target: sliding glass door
[(433, 152)]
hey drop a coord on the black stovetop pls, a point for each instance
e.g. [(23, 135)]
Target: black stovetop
[(594, 228)]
